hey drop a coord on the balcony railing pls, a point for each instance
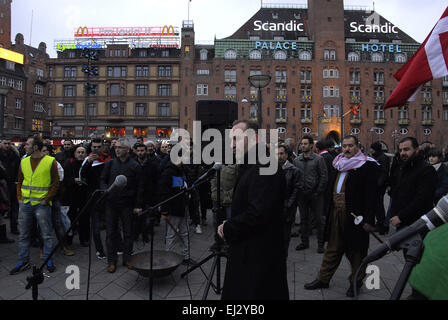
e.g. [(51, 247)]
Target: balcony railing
[(381, 121), (281, 98), (230, 79), (403, 122), (355, 82), (231, 97), (306, 99), (427, 100), (378, 82), (253, 97), (355, 121), (305, 81), (378, 100), (281, 120), (306, 121), (427, 122), (355, 99), (280, 79)]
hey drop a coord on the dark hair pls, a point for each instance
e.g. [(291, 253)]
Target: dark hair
[(38, 142), (321, 145), (309, 138), (350, 136), (139, 145), (250, 124), (97, 140), (435, 153), (49, 148), (412, 139), (377, 146)]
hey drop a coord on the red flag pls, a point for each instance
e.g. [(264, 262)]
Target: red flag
[(355, 111), (428, 63), (323, 110)]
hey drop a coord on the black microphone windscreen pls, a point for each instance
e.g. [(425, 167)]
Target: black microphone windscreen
[(217, 166), (443, 208)]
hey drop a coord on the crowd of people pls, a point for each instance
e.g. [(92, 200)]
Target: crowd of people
[(43, 193)]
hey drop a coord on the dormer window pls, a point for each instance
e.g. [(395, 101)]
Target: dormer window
[(203, 54), (274, 15)]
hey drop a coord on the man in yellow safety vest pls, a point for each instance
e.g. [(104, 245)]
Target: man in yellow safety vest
[(37, 185)]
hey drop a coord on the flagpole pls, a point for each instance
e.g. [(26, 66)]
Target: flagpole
[(189, 10), (342, 118)]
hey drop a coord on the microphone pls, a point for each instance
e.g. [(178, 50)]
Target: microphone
[(216, 167), (119, 183), (433, 219)]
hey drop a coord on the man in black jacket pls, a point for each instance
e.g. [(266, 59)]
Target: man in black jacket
[(354, 194), (376, 149), (123, 204), (66, 153), (256, 264), (414, 186), (292, 176), (11, 162)]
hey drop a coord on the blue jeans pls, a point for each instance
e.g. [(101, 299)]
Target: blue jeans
[(43, 217)]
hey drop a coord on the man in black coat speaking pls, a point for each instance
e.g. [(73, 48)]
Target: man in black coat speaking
[(256, 265)]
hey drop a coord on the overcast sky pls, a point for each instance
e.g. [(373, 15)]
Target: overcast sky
[(57, 19)]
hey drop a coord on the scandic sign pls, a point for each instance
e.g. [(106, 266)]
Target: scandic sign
[(107, 32)]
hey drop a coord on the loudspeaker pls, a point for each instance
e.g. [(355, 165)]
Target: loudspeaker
[(218, 114)]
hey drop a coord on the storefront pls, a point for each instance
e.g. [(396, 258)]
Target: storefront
[(115, 132)]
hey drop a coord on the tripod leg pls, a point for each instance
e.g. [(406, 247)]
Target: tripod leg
[(218, 274), (198, 265), (210, 278)]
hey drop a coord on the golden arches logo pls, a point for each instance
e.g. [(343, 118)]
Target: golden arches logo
[(167, 29), (82, 32)]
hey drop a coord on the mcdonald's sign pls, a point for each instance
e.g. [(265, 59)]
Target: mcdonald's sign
[(167, 29), (82, 32)]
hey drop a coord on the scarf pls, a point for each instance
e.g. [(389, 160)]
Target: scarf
[(343, 164)]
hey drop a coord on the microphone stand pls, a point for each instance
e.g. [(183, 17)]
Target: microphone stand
[(150, 211), (38, 276)]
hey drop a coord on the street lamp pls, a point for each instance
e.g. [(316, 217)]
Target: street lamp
[(259, 81)]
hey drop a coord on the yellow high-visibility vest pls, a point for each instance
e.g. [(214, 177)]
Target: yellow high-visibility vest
[(36, 184)]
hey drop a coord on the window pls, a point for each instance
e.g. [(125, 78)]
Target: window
[(254, 72), (69, 109), (202, 90), (306, 91), (229, 75), (38, 107), (18, 123), (426, 113), (378, 92), (140, 109), (403, 113), (141, 90), (280, 76), (116, 72), (305, 56), (70, 72), (378, 78), (91, 110), (116, 109), (116, 90), (230, 90), (38, 89), (445, 113), (163, 110), (69, 91), (11, 83), (230, 54), (19, 85), (378, 113), (3, 81), (331, 110), (355, 77), (306, 112), (40, 72), (71, 54), (353, 57), (400, 58), (253, 111), (164, 90), (377, 57), (117, 53), (305, 76), (18, 104), (142, 53), (203, 72), (141, 71), (331, 73), (203, 54), (280, 55), (255, 55), (10, 65), (165, 53), (281, 111), (165, 71), (37, 125), (50, 72), (331, 92), (355, 92), (330, 55)]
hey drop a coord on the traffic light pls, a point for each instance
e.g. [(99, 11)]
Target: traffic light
[(90, 88)]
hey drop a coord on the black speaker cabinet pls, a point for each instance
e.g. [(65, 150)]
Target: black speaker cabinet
[(218, 114)]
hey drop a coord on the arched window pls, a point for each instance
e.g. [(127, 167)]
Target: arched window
[(280, 55), (203, 54), (353, 56), (305, 55), (400, 58), (255, 55), (377, 57), (230, 54)]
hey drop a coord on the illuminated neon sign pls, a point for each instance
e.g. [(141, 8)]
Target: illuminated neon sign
[(92, 45), (272, 45), (102, 32), (11, 56)]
